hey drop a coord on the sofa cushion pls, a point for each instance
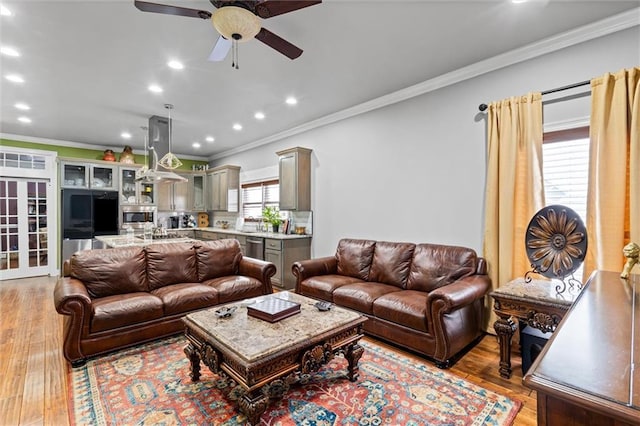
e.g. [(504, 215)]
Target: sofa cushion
[(185, 297), (435, 266), (125, 309), (217, 258), (236, 287), (391, 263), (407, 307), (323, 286), (110, 272), (361, 295), (170, 263), (354, 257)]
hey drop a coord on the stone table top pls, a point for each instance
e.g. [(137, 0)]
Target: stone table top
[(541, 290), (252, 338)]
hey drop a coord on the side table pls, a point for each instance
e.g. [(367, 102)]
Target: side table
[(535, 303)]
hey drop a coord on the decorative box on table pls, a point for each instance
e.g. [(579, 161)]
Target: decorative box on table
[(273, 309)]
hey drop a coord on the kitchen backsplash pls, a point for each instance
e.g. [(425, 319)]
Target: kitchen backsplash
[(297, 219)]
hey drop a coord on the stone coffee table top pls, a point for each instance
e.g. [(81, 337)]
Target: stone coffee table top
[(252, 339)]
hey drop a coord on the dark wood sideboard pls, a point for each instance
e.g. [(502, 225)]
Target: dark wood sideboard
[(585, 374)]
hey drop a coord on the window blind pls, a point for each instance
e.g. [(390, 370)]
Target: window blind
[(258, 195)]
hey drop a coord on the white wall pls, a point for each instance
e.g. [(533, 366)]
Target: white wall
[(414, 171)]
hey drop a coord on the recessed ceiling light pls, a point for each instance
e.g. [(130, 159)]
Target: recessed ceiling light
[(125, 135), (24, 119), (155, 88), (196, 145), (22, 106), (4, 11), (237, 126), (176, 65), (291, 100), (518, 1), (210, 139), (259, 115), (9, 51), (15, 78)]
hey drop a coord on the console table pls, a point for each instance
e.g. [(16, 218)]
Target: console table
[(585, 374), (535, 303)]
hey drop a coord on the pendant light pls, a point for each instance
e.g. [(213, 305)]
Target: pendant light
[(146, 175), (170, 161)]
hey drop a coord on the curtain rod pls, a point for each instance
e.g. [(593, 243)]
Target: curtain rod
[(483, 107)]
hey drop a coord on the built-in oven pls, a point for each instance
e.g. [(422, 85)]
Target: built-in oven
[(135, 216)]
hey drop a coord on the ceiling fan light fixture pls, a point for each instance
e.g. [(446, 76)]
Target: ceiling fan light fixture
[(236, 23)]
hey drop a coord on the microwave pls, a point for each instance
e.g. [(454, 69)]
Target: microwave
[(136, 216)]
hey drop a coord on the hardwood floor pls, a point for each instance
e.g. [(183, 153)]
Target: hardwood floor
[(33, 389)]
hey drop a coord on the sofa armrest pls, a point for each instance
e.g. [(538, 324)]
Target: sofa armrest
[(459, 293), (71, 298), (258, 269), (313, 267)]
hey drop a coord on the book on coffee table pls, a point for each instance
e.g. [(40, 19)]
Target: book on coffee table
[(273, 309)]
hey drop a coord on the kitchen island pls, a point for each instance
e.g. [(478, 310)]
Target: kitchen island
[(113, 241)]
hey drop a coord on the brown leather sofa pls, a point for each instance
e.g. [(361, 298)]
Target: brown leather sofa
[(119, 297), (424, 297)]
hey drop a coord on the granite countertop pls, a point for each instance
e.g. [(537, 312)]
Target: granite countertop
[(274, 235), (112, 241)]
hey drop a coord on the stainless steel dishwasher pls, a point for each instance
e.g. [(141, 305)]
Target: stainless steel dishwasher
[(255, 247)]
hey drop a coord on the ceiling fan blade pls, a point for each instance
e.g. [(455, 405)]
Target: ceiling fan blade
[(278, 43), (268, 8), (171, 10), (220, 50)]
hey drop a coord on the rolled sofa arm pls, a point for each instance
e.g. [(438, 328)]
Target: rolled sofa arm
[(460, 293), (71, 298), (313, 267), (258, 269)]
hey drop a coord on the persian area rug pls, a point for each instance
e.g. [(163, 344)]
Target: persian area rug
[(150, 385)]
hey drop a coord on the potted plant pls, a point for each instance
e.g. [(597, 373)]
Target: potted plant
[(271, 215)]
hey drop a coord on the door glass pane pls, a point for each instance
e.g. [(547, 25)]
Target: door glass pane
[(102, 177)]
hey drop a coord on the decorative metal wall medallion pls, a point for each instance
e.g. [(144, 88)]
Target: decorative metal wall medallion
[(556, 243)]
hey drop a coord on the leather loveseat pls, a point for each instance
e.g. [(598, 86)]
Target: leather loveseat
[(424, 297), (119, 297)]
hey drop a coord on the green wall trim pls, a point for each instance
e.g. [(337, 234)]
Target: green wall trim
[(83, 153)]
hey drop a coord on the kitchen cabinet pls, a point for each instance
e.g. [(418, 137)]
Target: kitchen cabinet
[(197, 187), (86, 175), (173, 196), (132, 192), (283, 253), (295, 179), (223, 186)]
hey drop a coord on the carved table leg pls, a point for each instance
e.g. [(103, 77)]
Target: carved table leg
[(505, 327), (353, 355), (253, 405), (194, 359)]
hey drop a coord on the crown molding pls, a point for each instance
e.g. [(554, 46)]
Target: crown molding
[(69, 144), (613, 24)]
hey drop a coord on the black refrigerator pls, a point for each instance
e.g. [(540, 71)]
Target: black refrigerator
[(85, 215)]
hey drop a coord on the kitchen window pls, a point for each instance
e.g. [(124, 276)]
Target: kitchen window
[(258, 195)]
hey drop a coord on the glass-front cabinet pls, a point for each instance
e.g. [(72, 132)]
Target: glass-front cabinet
[(132, 192), (86, 175), (198, 197)]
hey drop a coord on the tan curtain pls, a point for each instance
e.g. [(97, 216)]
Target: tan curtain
[(515, 188), (613, 198)]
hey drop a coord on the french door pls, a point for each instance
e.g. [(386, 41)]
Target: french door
[(27, 220)]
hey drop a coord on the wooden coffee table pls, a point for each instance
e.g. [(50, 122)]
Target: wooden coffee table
[(265, 358)]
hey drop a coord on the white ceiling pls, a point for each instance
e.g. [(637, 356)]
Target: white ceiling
[(87, 64)]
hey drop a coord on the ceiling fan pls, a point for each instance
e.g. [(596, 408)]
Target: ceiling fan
[(238, 21)]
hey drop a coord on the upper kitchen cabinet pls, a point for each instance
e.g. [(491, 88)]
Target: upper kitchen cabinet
[(132, 192), (223, 185), (198, 185), (295, 179), (173, 196), (100, 175)]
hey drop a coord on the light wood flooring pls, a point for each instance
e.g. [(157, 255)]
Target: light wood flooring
[(33, 389)]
